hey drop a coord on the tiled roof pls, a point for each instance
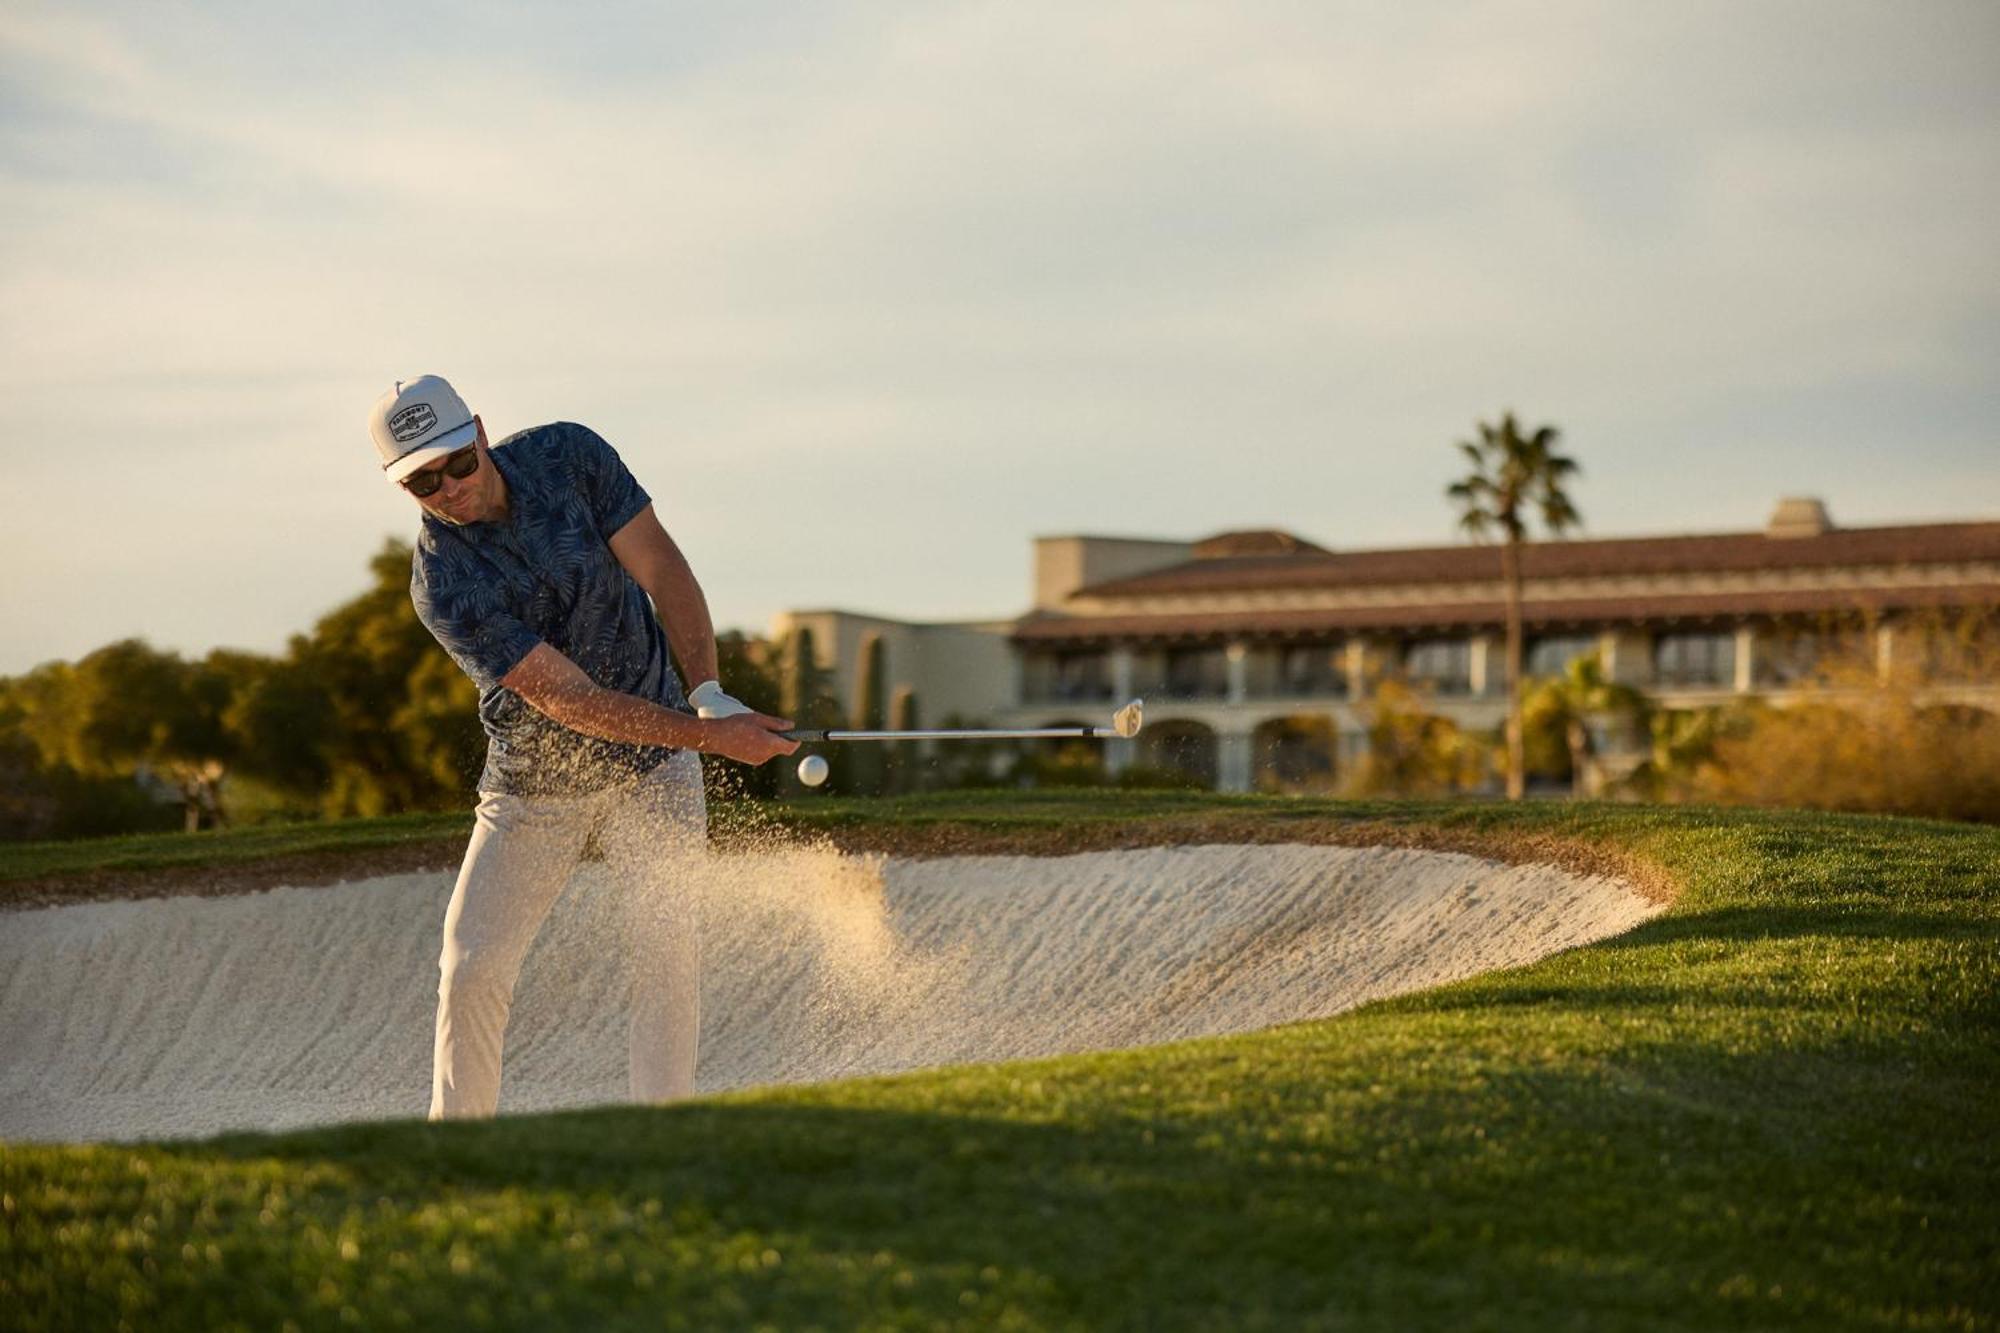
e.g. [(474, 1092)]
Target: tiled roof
[(1693, 608), (1922, 544), (1261, 541)]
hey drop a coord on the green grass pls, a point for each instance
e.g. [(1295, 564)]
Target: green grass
[(161, 851), (1774, 1106)]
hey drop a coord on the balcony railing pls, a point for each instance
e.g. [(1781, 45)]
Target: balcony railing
[(1305, 687), (1065, 691), (1188, 689)]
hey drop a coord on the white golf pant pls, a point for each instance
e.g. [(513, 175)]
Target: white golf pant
[(653, 832)]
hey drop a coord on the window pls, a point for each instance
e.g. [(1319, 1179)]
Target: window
[(1551, 654), (1790, 657), (1443, 664), (1063, 677), (1305, 669), (1967, 652), (1196, 673), (1695, 659)]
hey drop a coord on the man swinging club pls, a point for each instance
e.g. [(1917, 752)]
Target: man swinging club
[(534, 570)]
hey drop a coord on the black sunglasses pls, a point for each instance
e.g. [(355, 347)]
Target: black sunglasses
[(458, 463)]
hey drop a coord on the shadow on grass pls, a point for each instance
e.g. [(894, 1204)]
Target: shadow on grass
[(1855, 923), (1528, 1197)]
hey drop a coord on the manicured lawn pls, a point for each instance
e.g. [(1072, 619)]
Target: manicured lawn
[(159, 851), (1773, 1106)]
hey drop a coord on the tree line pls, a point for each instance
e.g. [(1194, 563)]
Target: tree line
[(364, 714), (361, 715)]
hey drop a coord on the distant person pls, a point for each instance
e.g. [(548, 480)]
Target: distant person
[(534, 570)]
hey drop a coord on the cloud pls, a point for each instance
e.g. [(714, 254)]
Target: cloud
[(1001, 258)]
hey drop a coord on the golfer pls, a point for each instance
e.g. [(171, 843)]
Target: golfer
[(534, 570)]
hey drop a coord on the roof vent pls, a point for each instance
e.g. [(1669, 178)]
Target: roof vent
[(1798, 516)]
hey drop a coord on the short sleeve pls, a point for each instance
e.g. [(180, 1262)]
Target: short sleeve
[(469, 618), (613, 493)]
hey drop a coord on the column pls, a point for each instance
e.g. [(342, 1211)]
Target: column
[(1357, 668), (1119, 756), (1121, 674), (1232, 761), (1746, 648), (1628, 656), (1350, 752), (1487, 670), (1238, 655)]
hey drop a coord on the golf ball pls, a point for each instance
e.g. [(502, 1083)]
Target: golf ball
[(812, 770)]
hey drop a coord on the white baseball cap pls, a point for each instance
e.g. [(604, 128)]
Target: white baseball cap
[(418, 422)]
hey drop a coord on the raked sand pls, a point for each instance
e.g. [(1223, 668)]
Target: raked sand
[(186, 1016)]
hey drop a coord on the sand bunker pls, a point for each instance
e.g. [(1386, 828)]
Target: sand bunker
[(182, 1017)]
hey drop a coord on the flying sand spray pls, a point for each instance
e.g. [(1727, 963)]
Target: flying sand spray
[(1125, 724)]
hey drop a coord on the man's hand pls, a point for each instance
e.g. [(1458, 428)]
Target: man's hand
[(748, 738)]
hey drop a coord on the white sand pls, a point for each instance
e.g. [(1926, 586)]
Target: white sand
[(181, 1017)]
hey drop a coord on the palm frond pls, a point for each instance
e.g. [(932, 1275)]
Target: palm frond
[(1513, 472), (1558, 514)]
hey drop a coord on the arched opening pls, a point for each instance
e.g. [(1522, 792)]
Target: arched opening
[(1970, 717), (1062, 762), (1294, 754), (1184, 749)]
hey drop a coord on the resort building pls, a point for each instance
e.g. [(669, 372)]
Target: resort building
[(1257, 652)]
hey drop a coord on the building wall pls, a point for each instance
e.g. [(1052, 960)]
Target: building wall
[(954, 667), (1065, 564)]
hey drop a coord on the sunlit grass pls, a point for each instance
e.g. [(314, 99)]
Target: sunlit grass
[(158, 851)]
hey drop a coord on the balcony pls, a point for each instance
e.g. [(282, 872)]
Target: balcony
[(1066, 693), (1066, 678), (1550, 655), (1187, 675), (1297, 671), (1705, 661), (1442, 667)]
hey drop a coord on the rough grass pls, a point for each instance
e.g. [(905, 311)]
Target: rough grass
[(1771, 1107)]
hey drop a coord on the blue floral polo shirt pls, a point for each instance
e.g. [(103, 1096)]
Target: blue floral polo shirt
[(489, 592)]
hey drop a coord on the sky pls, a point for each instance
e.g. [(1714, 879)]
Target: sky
[(869, 295)]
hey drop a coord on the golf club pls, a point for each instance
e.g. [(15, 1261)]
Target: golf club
[(1125, 724)]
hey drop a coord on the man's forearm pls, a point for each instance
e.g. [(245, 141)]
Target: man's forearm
[(612, 716)]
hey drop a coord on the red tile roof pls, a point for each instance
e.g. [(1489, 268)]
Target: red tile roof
[(1921, 544), (1693, 608)]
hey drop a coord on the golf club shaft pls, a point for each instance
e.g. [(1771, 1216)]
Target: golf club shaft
[(958, 734)]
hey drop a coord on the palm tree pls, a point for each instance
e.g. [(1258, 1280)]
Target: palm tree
[(1568, 702), (1510, 474)]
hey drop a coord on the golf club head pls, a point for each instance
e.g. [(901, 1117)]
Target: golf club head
[(1126, 721)]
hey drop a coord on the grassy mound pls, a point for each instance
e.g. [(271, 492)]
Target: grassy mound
[(1772, 1106)]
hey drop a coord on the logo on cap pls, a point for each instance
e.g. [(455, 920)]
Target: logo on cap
[(411, 422)]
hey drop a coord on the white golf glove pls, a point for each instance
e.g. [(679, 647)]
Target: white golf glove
[(709, 701)]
